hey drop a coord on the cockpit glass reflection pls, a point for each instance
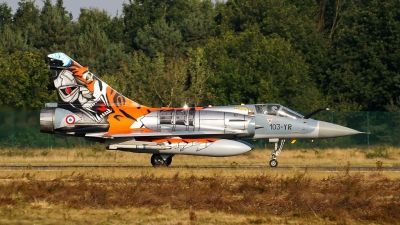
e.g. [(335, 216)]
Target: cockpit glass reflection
[(277, 110), (268, 109), (285, 112)]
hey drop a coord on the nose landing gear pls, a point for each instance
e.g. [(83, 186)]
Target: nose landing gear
[(275, 153)]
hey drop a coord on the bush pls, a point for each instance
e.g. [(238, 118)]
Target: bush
[(378, 152)]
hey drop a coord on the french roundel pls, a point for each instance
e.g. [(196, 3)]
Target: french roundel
[(70, 119)]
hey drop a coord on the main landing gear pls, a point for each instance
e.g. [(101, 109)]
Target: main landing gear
[(161, 160), (275, 153)]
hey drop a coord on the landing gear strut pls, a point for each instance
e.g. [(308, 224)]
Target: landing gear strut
[(161, 160), (275, 153)]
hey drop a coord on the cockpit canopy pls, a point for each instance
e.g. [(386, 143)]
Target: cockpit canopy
[(277, 110)]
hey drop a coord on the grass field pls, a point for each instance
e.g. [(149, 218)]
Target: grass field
[(97, 155), (199, 196)]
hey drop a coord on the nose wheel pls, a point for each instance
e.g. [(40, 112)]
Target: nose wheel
[(275, 153), (273, 163)]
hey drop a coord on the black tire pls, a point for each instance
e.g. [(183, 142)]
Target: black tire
[(157, 160), (273, 163)]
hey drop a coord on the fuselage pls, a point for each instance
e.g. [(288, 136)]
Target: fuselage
[(88, 107), (277, 121), (252, 121)]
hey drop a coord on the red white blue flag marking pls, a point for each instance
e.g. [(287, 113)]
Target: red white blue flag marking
[(70, 119)]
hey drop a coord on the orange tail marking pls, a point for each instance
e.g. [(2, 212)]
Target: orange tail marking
[(125, 112), (79, 72)]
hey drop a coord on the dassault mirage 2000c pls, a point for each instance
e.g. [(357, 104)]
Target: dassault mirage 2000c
[(87, 107)]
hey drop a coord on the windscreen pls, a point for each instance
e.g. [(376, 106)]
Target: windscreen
[(267, 109), (286, 112)]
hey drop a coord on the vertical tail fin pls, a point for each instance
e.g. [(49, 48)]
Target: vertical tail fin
[(79, 89)]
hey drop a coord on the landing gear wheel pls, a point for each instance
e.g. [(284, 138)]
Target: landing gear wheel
[(273, 163), (157, 160)]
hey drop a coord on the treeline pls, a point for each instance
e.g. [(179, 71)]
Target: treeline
[(303, 54)]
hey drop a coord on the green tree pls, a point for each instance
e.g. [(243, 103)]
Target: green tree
[(139, 14), (5, 15), (26, 24), (113, 28), (27, 13), (92, 46), (55, 28), (12, 40), (288, 19), (151, 81), (253, 68), (199, 74), (365, 53), (94, 15), (23, 80), (168, 81), (116, 31), (329, 15), (160, 37), (198, 24)]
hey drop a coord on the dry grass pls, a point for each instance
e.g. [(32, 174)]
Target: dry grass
[(96, 156), (199, 196), (163, 172), (150, 198), (45, 213)]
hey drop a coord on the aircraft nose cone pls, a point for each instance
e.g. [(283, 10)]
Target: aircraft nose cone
[(330, 130)]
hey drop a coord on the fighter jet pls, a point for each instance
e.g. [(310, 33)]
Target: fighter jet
[(87, 107)]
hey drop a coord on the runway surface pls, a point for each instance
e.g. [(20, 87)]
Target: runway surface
[(279, 168)]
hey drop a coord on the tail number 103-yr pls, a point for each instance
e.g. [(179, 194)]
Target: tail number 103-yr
[(281, 126)]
